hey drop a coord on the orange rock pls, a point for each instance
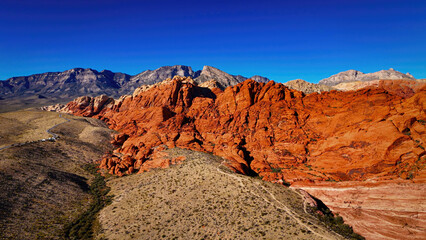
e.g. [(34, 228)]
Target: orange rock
[(279, 133), (160, 159)]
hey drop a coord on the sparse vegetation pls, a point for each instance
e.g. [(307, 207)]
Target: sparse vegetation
[(82, 227), (336, 223), (42, 184), (26, 126), (201, 198), (407, 132)]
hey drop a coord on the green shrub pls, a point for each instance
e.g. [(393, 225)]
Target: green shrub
[(337, 224), (406, 131), (82, 227)]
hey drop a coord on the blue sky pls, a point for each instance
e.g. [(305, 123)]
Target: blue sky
[(282, 40)]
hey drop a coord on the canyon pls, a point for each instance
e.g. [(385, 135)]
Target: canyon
[(375, 135)]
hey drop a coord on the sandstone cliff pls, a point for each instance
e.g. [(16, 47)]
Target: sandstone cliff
[(270, 130)]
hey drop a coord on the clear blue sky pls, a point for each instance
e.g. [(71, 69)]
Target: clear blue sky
[(282, 40)]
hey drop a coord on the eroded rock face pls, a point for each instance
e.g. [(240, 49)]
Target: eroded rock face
[(54, 108), (89, 106), (377, 210), (270, 130)]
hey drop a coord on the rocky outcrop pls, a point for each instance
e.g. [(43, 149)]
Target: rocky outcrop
[(54, 108), (353, 75), (86, 106), (211, 84), (307, 87), (273, 131)]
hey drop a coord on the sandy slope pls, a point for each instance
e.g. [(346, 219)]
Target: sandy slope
[(201, 198)]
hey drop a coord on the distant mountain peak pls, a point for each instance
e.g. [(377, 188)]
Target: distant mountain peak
[(354, 75), (224, 79), (78, 81), (258, 78), (212, 71)]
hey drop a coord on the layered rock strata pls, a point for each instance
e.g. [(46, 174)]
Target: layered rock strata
[(377, 210)]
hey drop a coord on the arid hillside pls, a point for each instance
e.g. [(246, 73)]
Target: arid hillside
[(43, 185), (200, 198), (47, 193)]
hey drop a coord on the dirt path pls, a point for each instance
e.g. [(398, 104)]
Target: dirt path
[(53, 138), (274, 201)]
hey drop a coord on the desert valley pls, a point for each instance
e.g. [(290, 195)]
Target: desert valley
[(180, 154)]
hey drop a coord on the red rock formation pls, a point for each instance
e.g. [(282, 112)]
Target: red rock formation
[(89, 106), (376, 134), (280, 134)]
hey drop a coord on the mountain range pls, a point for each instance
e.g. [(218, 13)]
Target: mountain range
[(78, 81), (61, 87)]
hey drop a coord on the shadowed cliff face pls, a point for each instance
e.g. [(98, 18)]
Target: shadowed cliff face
[(268, 129)]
